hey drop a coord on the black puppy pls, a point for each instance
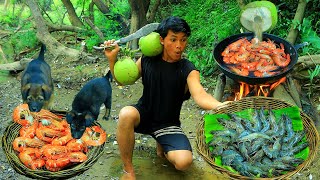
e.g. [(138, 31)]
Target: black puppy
[(36, 84), (86, 105)]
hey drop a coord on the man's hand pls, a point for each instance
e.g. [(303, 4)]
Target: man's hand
[(111, 53), (223, 104)]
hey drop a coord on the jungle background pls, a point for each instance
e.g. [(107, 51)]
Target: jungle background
[(70, 28)]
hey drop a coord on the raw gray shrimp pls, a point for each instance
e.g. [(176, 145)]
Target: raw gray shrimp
[(258, 156), (274, 151), (229, 156), (257, 124), (237, 120), (253, 136), (290, 160), (289, 129), (264, 120), (243, 149), (292, 151), (256, 145), (273, 123), (247, 169)]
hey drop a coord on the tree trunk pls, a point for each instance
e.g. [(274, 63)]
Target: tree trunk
[(117, 17), (139, 10), (293, 33), (74, 19), (6, 5), (97, 30), (91, 11), (45, 37), (154, 10)]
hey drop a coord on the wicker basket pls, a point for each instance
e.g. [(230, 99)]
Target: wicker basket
[(252, 102), (12, 131)]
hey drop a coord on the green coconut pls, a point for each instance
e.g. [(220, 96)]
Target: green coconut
[(150, 44), (264, 12), (126, 71)]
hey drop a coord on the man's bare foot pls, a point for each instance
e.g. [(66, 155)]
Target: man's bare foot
[(160, 152), (127, 176)]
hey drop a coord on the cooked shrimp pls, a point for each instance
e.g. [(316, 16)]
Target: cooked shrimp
[(54, 124), (29, 130), (20, 143), (47, 134), (62, 140), (54, 152), (21, 115), (94, 136), (57, 164), (31, 157), (75, 145), (77, 157), (45, 114)]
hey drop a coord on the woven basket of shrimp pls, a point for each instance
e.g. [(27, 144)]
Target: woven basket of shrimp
[(56, 159), (257, 138)]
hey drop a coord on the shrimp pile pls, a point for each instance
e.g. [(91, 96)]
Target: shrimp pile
[(263, 145), (254, 58), (45, 140)]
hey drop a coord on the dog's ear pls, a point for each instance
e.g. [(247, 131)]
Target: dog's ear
[(47, 91), (89, 118), (69, 116), (25, 91)]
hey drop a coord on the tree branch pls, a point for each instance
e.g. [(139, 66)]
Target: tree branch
[(293, 33)]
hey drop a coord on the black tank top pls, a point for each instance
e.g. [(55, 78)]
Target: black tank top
[(163, 90)]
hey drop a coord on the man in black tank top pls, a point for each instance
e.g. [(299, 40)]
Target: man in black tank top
[(168, 80)]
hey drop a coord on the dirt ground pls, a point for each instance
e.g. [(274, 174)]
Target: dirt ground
[(69, 77)]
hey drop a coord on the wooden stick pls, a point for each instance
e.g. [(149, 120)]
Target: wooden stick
[(15, 66), (221, 83), (281, 93), (292, 89)]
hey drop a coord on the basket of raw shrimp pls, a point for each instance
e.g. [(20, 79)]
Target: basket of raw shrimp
[(40, 145), (257, 137)]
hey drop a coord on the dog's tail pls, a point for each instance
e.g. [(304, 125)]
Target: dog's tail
[(109, 76), (42, 51)]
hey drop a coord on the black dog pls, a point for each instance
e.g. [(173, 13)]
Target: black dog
[(86, 105), (36, 84)]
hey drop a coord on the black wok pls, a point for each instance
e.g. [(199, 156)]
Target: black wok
[(289, 49)]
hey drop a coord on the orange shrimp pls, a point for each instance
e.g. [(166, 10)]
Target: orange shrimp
[(54, 124), (62, 140), (57, 164), (77, 145), (46, 114), (236, 45), (54, 152), (242, 57), (47, 134), (77, 157), (264, 74), (267, 68), (226, 52), (29, 131), (22, 115), (94, 136), (20, 143), (268, 44), (251, 66), (31, 157), (239, 70), (281, 61)]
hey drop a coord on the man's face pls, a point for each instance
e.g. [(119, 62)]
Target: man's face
[(174, 44)]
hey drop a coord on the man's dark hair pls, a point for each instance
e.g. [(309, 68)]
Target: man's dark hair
[(176, 24)]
